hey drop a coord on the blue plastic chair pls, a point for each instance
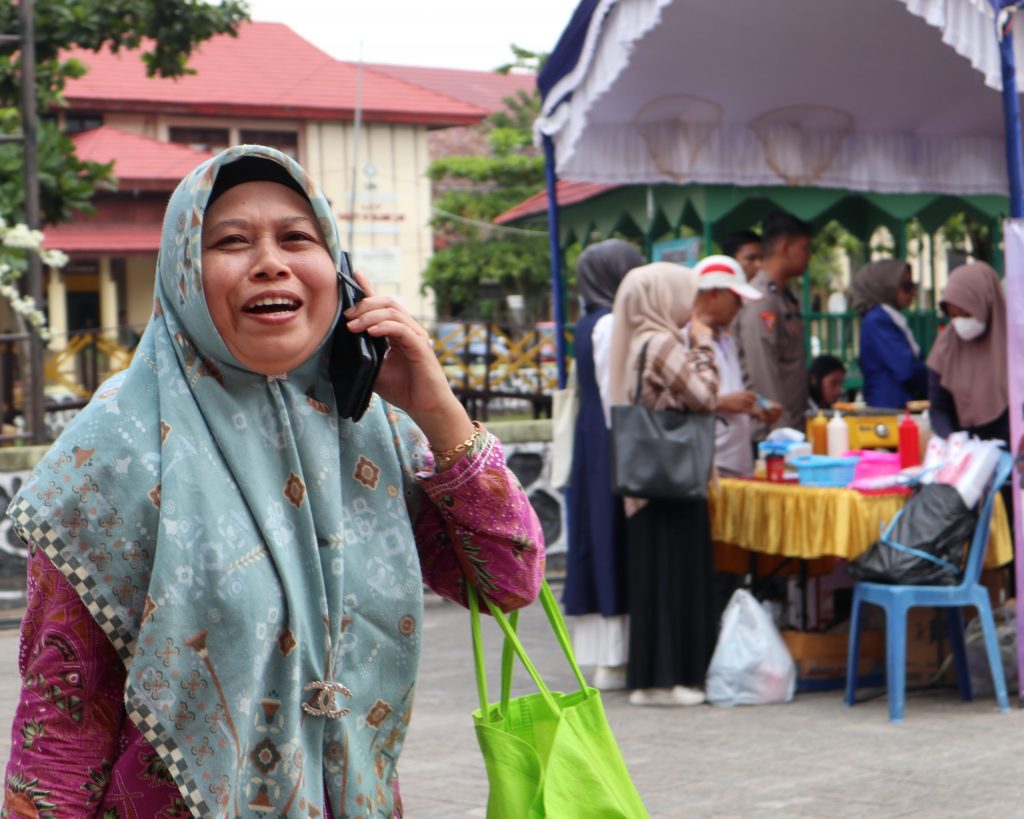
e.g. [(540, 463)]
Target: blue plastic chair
[(896, 600)]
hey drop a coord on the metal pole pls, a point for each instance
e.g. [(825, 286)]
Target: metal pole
[(1011, 104), (33, 281), (1014, 282), (356, 131), (557, 290)]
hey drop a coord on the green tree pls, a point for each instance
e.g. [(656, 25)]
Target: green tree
[(828, 245), (965, 234), (166, 32), (478, 264)]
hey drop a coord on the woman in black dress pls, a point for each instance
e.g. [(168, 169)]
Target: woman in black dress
[(670, 565), (595, 582)]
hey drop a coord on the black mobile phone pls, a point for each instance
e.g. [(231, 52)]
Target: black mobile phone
[(356, 358)]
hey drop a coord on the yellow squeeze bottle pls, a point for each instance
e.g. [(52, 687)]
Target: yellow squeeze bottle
[(819, 434)]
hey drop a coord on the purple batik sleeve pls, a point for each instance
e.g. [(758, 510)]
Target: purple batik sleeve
[(480, 524), (68, 719)]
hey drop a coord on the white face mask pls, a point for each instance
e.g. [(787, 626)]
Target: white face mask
[(968, 327)]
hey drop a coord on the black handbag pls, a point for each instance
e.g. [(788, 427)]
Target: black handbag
[(924, 545), (660, 453)]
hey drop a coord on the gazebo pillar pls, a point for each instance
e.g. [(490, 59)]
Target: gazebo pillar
[(57, 308), (108, 299)]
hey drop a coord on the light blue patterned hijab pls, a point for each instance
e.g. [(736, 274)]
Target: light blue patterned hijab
[(239, 543)]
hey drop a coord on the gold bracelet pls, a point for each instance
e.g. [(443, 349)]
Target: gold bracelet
[(443, 460)]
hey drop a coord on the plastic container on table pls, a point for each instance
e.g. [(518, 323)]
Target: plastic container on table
[(825, 471), (773, 453), (874, 464), (775, 468)]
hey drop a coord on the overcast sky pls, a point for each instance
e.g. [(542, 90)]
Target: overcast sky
[(446, 33)]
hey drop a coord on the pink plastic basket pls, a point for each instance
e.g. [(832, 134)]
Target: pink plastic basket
[(874, 464)]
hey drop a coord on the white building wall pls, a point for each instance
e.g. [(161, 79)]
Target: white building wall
[(391, 239)]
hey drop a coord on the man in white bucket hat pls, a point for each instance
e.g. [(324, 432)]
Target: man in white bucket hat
[(721, 291)]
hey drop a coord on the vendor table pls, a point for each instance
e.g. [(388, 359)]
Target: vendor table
[(792, 521)]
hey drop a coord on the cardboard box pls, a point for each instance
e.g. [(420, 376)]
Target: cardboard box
[(928, 646), (821, 659), (998, 583)]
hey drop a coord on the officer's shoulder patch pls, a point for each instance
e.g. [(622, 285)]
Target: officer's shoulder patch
[(769, 318)]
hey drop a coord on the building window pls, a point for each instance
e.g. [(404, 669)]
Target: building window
[(287, 142), (201, 139), (77, 121)]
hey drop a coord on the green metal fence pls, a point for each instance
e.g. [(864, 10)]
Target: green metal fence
[(838, 334)]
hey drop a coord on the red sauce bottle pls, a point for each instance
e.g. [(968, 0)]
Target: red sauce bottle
[(910, 442)]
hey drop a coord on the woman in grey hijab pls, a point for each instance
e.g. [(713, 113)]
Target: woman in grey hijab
[(890, 358), (595, 573)]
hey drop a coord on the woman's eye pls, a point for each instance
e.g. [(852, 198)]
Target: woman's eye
[(297, 236), (234, 238)]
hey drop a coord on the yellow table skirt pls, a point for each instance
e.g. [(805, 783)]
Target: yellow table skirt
[(789, 520)]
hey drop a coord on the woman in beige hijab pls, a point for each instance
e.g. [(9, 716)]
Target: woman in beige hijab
[(669, 561), (967, 369)]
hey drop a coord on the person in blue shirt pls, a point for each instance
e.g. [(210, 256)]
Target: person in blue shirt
[(890, 358)]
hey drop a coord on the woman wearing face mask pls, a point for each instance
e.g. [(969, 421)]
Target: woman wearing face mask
[(967, 370)]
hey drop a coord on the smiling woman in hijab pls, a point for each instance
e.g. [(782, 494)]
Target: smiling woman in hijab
[(967, 369), (225, 576), (673, 615), (890, 358), (595, 580)]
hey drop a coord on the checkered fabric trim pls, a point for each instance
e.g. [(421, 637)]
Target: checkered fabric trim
[(149, 726), (32, 527)]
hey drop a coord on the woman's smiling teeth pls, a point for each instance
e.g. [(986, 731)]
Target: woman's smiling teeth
[(272, 304)]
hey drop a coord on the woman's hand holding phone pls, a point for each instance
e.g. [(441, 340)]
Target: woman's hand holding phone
[(410, 377)]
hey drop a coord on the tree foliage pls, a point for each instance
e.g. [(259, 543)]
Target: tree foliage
[(165, 32), (475, 258)]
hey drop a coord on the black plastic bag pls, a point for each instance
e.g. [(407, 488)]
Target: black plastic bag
[(924, 545)]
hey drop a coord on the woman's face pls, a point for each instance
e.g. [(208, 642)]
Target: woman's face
[(832, 387), (271, 285), (953, 311), (907, 289)]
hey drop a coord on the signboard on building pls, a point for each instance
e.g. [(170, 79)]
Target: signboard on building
[(679, 251), (382, 265)]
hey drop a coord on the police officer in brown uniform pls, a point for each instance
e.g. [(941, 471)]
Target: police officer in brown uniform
[(771, 332)]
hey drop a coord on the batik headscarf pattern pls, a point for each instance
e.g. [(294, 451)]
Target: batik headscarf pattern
[(238, 544)]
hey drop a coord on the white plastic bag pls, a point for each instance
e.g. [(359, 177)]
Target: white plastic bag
[(751, 664), (564, 407)]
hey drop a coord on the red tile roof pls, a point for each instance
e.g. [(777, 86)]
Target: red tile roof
[(139, 162), (267, 71), (92, 238), (484, 89), (567, 192)]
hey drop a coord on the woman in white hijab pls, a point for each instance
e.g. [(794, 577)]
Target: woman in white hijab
[(670, 566)]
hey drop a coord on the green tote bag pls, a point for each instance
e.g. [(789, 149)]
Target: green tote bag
[(548, 754)]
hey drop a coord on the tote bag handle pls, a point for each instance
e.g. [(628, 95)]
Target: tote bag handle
[(514, 647)]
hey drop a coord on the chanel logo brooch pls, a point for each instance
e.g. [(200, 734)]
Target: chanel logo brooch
[(325, 704)]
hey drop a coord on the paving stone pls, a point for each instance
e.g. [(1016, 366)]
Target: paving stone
[(811, 758)]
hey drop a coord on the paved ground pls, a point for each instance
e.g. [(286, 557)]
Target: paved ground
[(812, 758)]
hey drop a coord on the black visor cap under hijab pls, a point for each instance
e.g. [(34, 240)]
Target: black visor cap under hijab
[(252, 169)]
